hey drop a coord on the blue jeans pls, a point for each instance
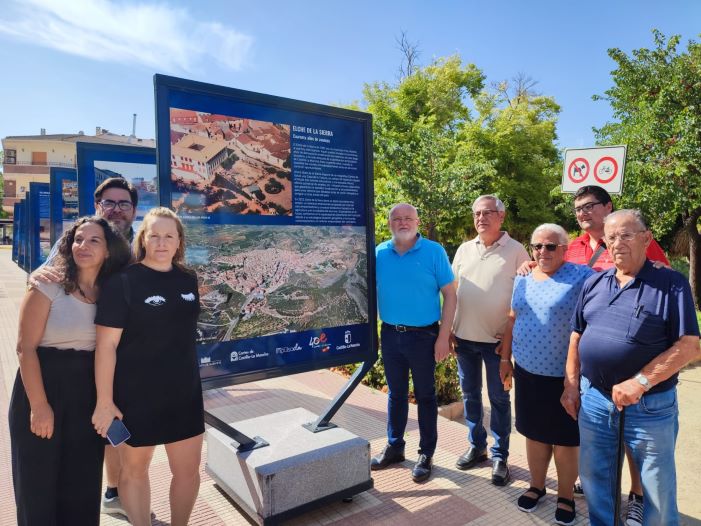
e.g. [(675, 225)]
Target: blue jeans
[(403, 352), (650, 431), (470, 357)]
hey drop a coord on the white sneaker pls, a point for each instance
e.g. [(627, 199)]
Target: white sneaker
[(634, 514), (112, 506)]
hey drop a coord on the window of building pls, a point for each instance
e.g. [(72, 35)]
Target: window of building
[(10, 156)]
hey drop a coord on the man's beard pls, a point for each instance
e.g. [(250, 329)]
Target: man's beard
[(404, 236)]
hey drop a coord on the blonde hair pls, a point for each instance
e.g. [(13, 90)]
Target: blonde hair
[(139, 239)]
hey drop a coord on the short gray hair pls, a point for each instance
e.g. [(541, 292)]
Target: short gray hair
[(497, 202), (637, 214), (389, 214), (553, 229)]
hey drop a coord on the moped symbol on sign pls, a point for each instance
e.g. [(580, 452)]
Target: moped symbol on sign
[(601, 166)]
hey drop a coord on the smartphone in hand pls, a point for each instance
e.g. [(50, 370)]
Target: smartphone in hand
[(117, 432)]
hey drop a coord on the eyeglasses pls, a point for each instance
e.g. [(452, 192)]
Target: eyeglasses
[(406, 219), (484, 213), (586, 208), (108, 204), (626, 237), (550, 247)]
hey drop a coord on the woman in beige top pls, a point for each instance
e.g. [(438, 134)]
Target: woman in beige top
[(56, 455)]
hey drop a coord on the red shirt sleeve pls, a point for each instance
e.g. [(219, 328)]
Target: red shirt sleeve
[(655, 253)]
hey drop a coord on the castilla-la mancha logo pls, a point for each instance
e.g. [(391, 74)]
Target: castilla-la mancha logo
[(319, 342)]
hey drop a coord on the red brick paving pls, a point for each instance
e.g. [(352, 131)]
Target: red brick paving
[(449, 498)]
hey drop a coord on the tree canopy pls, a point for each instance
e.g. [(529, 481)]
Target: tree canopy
[(442, 139), (656, 102)]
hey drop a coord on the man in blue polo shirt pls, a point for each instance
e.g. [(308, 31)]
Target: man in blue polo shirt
[(634, 328), (412, 273)]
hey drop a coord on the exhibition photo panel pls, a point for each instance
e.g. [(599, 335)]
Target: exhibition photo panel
[(274, 197)]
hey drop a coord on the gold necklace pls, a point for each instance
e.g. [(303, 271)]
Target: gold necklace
[(80, 291)]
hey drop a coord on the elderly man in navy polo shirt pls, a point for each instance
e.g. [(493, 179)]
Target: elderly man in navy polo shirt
[(412, 273), (634, 328)]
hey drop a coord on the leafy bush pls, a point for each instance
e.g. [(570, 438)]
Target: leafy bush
[(447, 384)]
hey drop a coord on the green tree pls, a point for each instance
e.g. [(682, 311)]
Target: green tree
[(415, 127), (656, 101), (432, 151), (515, 130)]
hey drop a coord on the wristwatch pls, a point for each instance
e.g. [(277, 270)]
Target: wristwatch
[(642, 380)]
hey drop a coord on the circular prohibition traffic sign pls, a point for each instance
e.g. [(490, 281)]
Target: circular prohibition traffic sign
[(607, 167), (578, 170)]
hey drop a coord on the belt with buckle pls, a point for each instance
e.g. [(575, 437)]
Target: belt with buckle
[(408, 328)]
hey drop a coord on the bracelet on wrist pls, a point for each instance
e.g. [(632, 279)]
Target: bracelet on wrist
[(505, 360)]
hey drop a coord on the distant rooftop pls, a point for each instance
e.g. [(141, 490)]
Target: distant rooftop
[(103, 137)]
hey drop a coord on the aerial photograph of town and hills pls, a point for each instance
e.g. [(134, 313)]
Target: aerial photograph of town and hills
[(225, 164), (143, 176), (262, 280)]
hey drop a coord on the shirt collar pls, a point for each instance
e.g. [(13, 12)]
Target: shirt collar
[(503, 240), (585, 239), (417, 245), (644, 274)]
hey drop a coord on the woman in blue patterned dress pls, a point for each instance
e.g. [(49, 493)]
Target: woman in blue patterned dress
[(537, 335)]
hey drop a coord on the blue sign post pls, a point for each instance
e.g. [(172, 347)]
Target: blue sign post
[(16, 226), (38, 226), (64, 200)]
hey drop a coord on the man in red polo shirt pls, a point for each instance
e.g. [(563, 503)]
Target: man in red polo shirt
[(591, 206)]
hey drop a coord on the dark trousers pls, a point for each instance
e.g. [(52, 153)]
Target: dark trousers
[(403, 352), (57, 481)]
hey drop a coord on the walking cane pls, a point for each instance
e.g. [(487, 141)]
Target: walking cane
[(619, 470)]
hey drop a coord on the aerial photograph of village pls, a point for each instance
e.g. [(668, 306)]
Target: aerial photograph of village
[(257, 281), (225, 164)]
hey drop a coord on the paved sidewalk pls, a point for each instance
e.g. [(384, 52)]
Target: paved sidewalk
[(449, 498)]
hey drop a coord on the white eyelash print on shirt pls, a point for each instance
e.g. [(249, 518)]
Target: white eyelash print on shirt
[(190, 296), (155, 301)]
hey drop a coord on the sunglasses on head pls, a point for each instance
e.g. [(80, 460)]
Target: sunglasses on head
[(550, 247)]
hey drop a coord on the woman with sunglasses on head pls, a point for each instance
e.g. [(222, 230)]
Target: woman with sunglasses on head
[(56, 455), (146, 367), (537, 334)]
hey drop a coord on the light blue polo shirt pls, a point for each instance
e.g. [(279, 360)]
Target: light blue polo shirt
[(408, 285)]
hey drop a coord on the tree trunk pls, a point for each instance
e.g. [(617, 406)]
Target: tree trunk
[(690, 225)]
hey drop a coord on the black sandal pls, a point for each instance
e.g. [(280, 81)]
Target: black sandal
[(563, 516), (529, 504)]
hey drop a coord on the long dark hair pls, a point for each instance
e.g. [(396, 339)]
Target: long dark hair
[(117, 249)]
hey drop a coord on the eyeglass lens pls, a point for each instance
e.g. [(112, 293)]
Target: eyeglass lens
[(550, 247)]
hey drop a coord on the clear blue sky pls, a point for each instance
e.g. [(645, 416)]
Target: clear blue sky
[(71, 65)]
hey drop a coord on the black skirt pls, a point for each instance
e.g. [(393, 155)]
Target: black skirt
[(539, 414)]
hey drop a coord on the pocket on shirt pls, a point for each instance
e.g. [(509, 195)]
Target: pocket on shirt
[(660, 403), (646, 327)]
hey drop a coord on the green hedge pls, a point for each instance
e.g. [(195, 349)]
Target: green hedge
[(447, 383)]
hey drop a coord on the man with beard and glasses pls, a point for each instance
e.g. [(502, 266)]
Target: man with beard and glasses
[(115, 200), (412, 274)]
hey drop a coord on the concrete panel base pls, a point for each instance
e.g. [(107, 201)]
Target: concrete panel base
[(297, 471)]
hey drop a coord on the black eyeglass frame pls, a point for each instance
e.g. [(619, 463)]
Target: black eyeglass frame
[(550, 247), (124, 205)]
